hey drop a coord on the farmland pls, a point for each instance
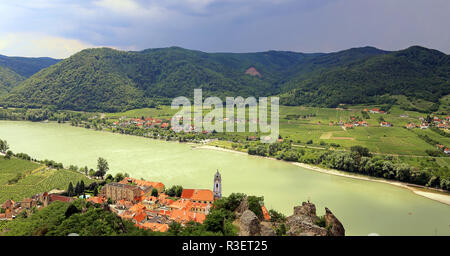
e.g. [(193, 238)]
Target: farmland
[(301, 124), (36, 178)]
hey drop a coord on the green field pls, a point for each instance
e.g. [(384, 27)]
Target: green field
[(37, 179), (310, 123), (160, 112), (313, 124)]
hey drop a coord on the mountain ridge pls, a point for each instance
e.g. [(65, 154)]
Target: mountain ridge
[(104, 79)]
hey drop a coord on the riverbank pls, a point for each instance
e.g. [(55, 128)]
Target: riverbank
[(430, 193)]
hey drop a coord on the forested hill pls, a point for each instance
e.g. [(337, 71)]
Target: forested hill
[(416, 72), (8, 79), (110, 80), (13, 70), (26, 67), (104, 79)]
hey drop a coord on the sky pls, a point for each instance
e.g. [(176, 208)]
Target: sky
[(60, 28)]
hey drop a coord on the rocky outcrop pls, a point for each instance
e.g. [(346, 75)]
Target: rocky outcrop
[(306, 209), (304, 222), (335, 226), (249, 224), (267, 229), (243, 206), (253, 72)]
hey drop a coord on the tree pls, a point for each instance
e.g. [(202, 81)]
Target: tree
[(77, 188), (4, 146), (70, 190), (175, 191), (281, 230), (102, 167), (155, 192), (9, 154), (86, 170), (362, 151), (119, 176), (218, 220), (254, 205), (72, 209), (175, 228), (82, 187)]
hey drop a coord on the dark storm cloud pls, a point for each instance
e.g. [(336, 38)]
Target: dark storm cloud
[(60, 28)]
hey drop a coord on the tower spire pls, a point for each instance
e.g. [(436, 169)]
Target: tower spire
[(217, 190)]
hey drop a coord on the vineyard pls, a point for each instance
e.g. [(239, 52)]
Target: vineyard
[(35, 178)]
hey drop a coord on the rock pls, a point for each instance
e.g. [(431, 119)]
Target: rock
[(267, 229), (298, 225), (243, 206), (335, 226), (307, 209), (253, 72), (302, 222), (249, 224)]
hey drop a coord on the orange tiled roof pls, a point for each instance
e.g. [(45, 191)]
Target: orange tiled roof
[(139, 217), (8, 204), (183, 216), (181, 204), (157, 185), (165, 212), (137, 207), (96, 200), (155, 227), (198, 194)]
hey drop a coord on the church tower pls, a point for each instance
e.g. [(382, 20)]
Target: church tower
[(217, 191)]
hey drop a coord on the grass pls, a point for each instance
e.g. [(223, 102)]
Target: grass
[(12, 167), (38, 179), (444, 106), (160, 112)]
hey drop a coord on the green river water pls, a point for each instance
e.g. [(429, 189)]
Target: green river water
[(363, 207)]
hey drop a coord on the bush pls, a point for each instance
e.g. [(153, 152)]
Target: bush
[(254, 205), (276, 216), (320, 222)]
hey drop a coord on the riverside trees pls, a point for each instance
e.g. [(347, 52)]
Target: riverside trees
[(4, 146)]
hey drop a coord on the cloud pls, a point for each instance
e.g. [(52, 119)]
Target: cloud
[(226, 25), (38, 45), (132, 8)]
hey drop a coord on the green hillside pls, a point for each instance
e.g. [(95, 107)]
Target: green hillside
[(108, 80), (26, 66), (417, 73), (14, 70), (22, 178), (8, 79)]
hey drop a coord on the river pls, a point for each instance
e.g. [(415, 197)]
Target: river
[(364, 207)]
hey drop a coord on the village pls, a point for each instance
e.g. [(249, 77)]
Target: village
[(146, 123), (145, 203)]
